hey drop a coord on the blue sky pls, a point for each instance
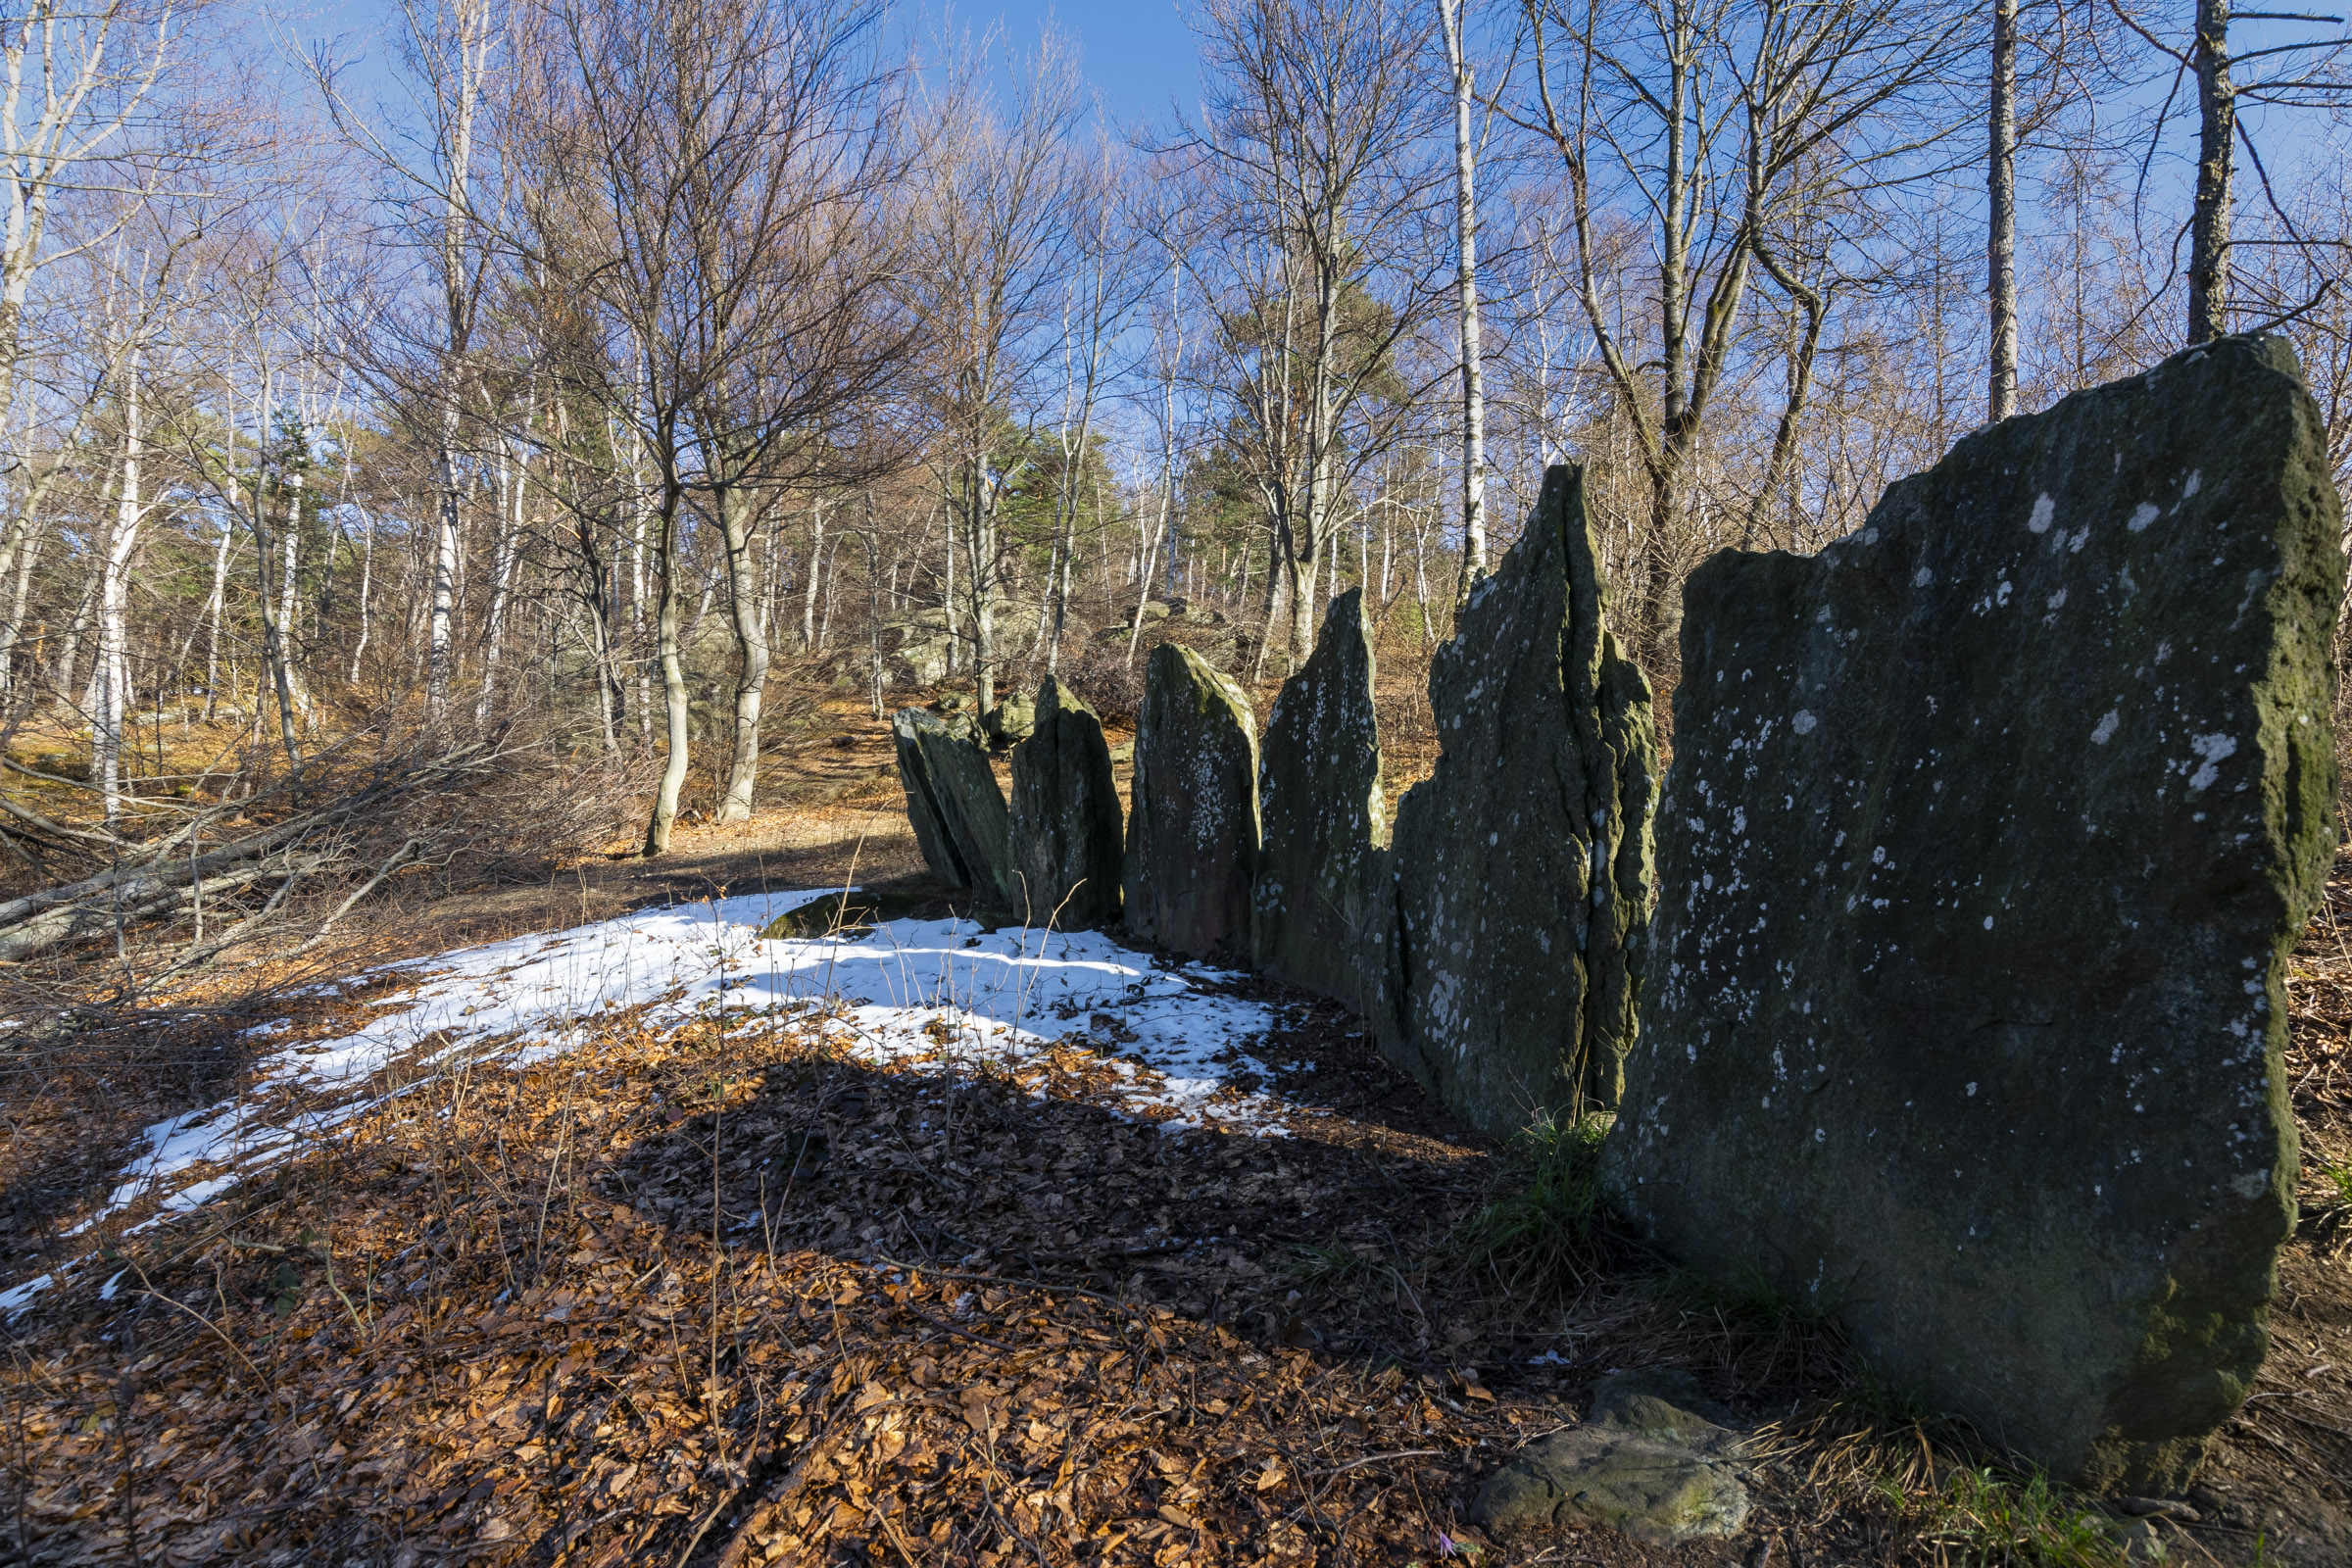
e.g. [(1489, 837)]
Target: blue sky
[(1138, 54)]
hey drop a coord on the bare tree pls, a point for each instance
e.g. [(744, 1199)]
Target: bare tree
[(2306, 74), (993, 247), (1102, 292), (430, 157), (77, 74), (735, 154), (2000, 199), (1716, 128), (1315, 162)]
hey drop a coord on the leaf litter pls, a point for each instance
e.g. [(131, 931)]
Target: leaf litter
[(650, 1242)]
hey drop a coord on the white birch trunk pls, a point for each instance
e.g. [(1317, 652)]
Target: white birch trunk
[(1465, 200), (112, 677), (367, 586), (2000, 189)]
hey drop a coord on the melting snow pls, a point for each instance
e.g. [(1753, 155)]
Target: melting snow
[(1003, 997)]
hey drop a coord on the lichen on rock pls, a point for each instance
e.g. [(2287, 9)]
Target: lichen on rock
[(955, 805), (1324, 897), (1991, 828), (1192, 828), (1066, 837), (1655, 1461), (1523, 862)]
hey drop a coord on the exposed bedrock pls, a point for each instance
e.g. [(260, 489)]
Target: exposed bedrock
[(1323, 906), (1989, 832), (955, 803), (1522, 864), (1067, 835), (1192, 831)]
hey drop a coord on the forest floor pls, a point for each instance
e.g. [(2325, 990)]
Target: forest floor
[(771, 1253)]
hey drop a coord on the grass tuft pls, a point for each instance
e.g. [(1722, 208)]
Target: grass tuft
[(1766, 1336), (1993, 1518), (1870, 1435), (1544, 1236)]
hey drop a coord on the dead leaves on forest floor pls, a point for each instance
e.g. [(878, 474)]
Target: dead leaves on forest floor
[(717, 1294)]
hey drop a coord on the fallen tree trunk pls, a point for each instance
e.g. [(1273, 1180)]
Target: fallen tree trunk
[(170, 876), (96, 918)]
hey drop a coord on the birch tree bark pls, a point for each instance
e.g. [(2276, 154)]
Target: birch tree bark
[(112, 673), (1465, 226), (458, 41), (72, 83), (2217, 157), (2000, 192), (739, 520)]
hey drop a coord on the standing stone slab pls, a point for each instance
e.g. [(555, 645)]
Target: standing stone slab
[(1323, 905), (1192, 835), (1990, 828), (1065, 816), (955, 805), (1523, 862)]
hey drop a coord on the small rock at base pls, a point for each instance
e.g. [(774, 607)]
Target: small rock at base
[(1651, 1464)]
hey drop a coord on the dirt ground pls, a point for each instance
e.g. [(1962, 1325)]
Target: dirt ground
[(706, 1296)]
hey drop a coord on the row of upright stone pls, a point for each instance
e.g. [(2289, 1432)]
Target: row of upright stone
[(1495, 938), (1989, 831)]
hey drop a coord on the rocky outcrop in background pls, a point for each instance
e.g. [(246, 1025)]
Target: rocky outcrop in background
[(1990, 828)]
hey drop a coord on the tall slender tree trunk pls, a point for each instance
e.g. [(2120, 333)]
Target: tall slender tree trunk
[(980, 577), (113, 674), (440, 639), (69, 653), (816, 550), (273, 636), (1465, 205), (287, 601), (359, 649), (504, 546), (737, 520), (2000, 190), (637, 519), (456, 307), (2217, 126), (873, 607), (673, 676), (12, 636)]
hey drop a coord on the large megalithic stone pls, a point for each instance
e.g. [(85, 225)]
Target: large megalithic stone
[(1989, 830), (1067, 835), (1192, 829), (1323, 906), (1523, 864), (956, 806)]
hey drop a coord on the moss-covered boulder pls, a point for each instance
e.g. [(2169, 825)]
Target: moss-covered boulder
[(1067, 838), (1192, 829), (853, 913), (1523, 862), (1323, 904), (1653, 1462), (956, 806), (1990, 828), (1010, 721)]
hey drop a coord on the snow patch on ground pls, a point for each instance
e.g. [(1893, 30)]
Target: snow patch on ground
[(908, 991)]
